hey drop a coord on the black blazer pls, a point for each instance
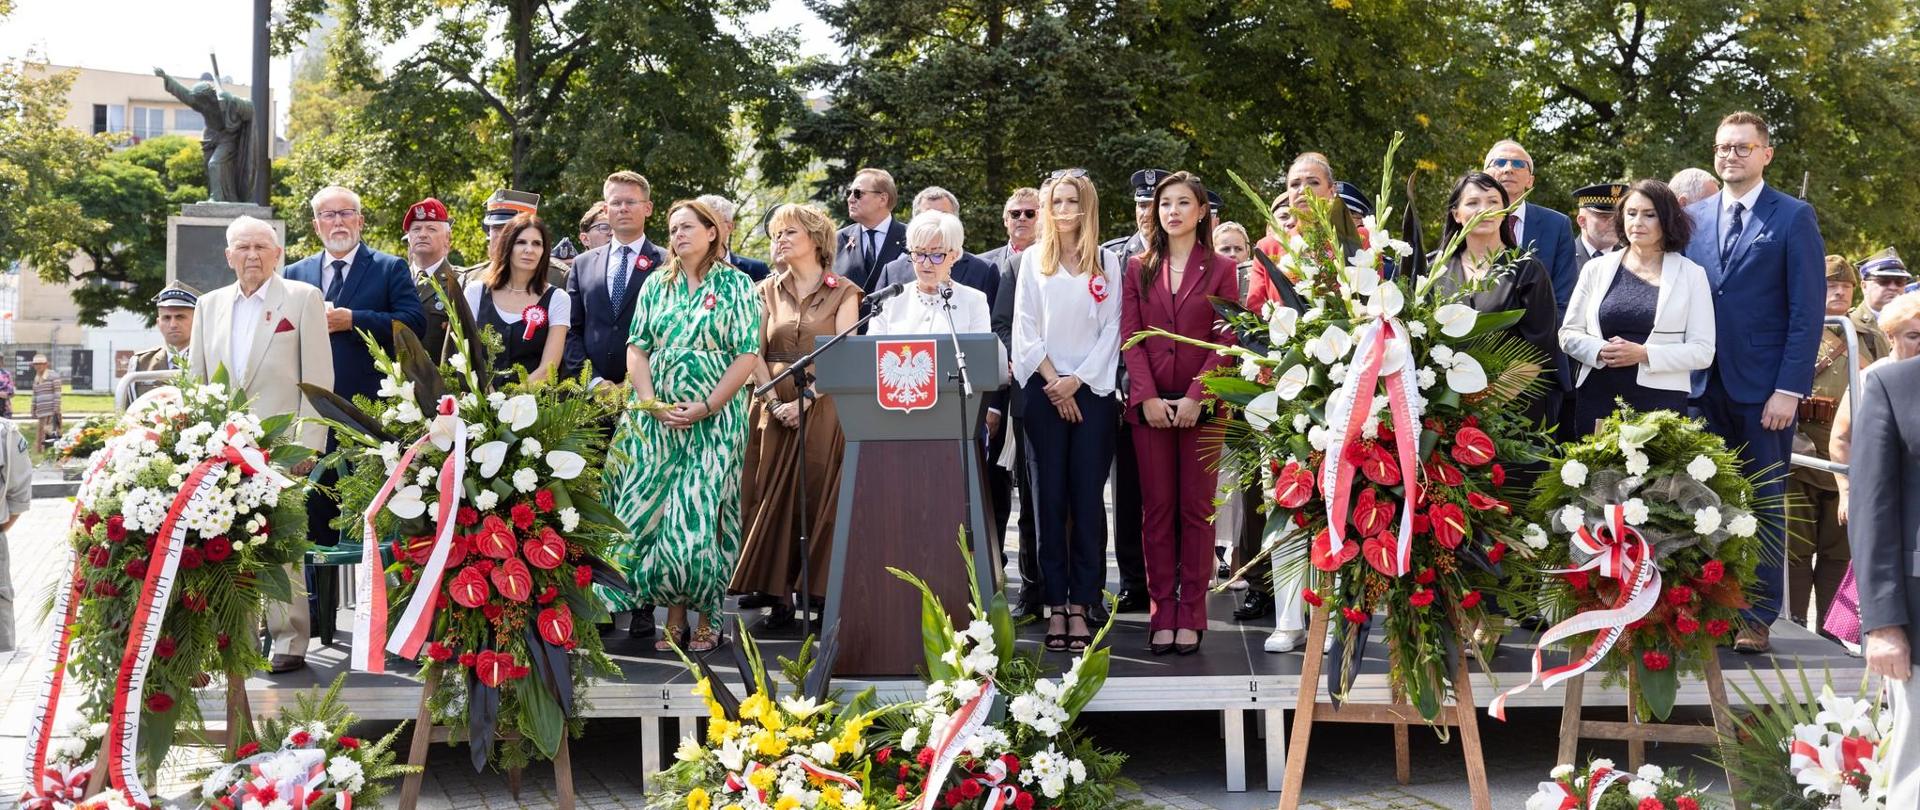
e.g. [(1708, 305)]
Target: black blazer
[(599, 333), (1006, 264), (1883, 519), (849, 257)]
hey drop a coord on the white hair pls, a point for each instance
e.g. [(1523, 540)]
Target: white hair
[(1693, 183), (244, 223), (931, 193), (930, 226), (722, 207), (329, 191), (1506, 142)]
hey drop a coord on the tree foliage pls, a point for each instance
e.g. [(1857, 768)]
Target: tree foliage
[(40, 158)]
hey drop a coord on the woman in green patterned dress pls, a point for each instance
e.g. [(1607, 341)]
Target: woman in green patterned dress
[(694, 339)]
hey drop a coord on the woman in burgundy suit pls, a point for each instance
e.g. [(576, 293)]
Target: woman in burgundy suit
[(1167, 287)]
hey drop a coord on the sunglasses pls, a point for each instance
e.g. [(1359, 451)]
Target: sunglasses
[(1059, 174), (1509, 163), (857, 194), (1023, 213)]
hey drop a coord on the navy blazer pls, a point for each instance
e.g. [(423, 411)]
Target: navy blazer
[(969, 269), (849, 260), (1769, 297), (754, 268), (379, 289), (599, 333), (1549, 234)]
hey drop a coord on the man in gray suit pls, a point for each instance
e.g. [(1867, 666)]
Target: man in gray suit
[(1021, 216), (1883, 528)]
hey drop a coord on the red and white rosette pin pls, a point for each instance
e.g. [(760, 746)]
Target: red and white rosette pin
[(710, 302), (1097, 287), (642, 263), (534, 317), (830, 280)]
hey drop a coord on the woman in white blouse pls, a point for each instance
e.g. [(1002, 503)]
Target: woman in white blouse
[(1066, 347), (1641, 319), (512, 297), (933, 245)]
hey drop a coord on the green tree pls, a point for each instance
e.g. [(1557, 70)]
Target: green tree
[(40, 158), (123, 264)]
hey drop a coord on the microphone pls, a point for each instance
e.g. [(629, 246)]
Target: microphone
[(885, 293), (946, 294)]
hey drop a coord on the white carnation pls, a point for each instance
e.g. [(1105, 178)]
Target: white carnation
[(1636, 511), (1651, 772), (911, 738), (1706, 520), (525, 480), (486, 500), (1641, 789), (346, 773), (1571, 519), (569, 519), (1534, 537), (1702, 468), (1743, 525), (530, 447), (1637, 463), (1573, 473)]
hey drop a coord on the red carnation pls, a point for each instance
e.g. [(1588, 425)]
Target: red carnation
[(217, 549), (1576, 580), (547, 596), (1497, 553), (885, 753), (99, 556), (466, 516), (1310, 597), (1012, 764), (1712, 572), (925, 757), (1499, 475), (301, 739), (166, 647), (467, 659), (350, 743), (1421, 598), (116, 528), (522, 516), (191, 558), (194, 602), (222, 640), (1424, 577), (1472, 446), (900, 791), (1354, 616), (136, 568), (247, 749), (970, 789), (543, 500), (1686, 625), (438, 651), (406, 574), (159, 703), (582, 576), (1470, 601), (1679, 595), (491, 611), (92, 520), (1718, 627), (1685, 803), (1651, 803), (1656, 660), (1023, 801)]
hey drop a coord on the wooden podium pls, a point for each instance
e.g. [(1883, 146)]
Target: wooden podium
[(911, 469)]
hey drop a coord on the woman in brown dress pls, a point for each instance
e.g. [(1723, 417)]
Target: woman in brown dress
[(803, 300)]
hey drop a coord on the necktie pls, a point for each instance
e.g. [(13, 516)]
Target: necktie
[(873, 249), (339, 280), (619, 279), (1733, 235)]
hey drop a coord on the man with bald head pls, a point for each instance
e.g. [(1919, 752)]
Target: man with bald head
[(1537, 228), (271, 335)]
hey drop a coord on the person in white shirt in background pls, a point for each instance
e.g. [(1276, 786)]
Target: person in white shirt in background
[(933, 245)]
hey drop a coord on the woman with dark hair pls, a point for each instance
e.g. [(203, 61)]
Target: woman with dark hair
[(694, 340), (511, 296), (1168, 287), (1497, 278), (1640, 321)]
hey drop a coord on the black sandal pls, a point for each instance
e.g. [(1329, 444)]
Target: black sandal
[(1056, 642), (1077, 642)]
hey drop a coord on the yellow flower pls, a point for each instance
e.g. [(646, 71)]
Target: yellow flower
[(786, 803), (718, 729), (1422, 119), (768, 743), (761, 779), (1342, 5), (800, 733), (698, 800), (1426, 165), (831, 795), (731, 807), (714, 711)]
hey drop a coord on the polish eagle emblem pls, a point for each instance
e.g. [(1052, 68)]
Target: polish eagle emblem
[(904, 372)]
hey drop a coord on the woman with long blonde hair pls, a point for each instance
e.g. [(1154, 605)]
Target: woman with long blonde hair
[(1066, 348)]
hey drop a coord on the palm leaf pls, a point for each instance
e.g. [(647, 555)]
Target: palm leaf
[(337, 409), (414, 359)]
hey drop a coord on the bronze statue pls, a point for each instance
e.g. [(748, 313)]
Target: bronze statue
[(228, 139)]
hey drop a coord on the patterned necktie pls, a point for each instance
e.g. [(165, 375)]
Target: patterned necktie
[(1733, 235), (873, 250), (339, 280), (619, 279)]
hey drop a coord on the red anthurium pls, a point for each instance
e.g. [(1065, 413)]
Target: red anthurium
[(1382, 552), (556, 625), (1449, 524), (495, 538), (419, 549), (1447, 474), (469, 588), (1293, 487), (546, 550), (514, 580), (1320, 553), (1372, 512), (1472, 447), (493, 668), (1378, 464), (1486, 503)]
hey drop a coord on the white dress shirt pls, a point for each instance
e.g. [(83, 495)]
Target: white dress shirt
[(1746, 202), (326, 270), (613, 255), (249, 314), (1056, 318), (916, 313)]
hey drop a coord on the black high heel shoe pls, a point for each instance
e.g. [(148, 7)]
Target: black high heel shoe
[(1077, 642), (1189, 649), (1158, 649)]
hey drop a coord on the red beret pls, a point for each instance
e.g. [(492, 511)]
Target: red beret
[(427, 210)]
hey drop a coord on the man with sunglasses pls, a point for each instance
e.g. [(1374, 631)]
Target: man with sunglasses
[(1021, 217), (1547, 233), (873, 238), (1766, 261)]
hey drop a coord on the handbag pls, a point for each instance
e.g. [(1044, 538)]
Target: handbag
[(1843, 616)]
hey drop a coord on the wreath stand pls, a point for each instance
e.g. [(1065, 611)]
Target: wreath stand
[(426, 733), (238, 711), (1637, 733), (1309, 710)]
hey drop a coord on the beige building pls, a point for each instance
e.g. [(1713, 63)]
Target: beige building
[(109, 101)]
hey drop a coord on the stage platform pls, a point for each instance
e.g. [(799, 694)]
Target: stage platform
[(1231, 675)]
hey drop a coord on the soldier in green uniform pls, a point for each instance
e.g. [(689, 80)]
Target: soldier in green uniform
[(429, 234), (1883, 276), (175, 308), (1818, 557)]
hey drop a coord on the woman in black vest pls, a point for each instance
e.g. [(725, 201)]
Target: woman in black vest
[(511, 296)]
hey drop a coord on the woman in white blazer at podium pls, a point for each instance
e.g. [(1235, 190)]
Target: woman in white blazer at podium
[(934, 240)]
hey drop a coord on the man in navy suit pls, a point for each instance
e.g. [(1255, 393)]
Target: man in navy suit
[(724, 208), (1546, 233), (969, 269), (874, 238), (365, 290), (1766, 260), (605, 281)]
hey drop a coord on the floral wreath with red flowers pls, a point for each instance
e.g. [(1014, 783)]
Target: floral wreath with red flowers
[(307, 760), (489, 523), (1381, 418), (1603, 787)]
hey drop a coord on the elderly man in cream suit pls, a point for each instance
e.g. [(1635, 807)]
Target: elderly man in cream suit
[(271, 335)]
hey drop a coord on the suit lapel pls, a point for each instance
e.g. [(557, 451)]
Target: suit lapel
[(356, 274), (1669, 278), (276, 294)]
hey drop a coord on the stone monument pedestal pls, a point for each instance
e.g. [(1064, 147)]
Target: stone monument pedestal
[(197, 242)]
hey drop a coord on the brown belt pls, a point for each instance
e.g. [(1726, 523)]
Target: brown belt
[(1819, 409)]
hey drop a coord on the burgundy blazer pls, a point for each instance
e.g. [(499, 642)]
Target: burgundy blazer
[(1158, 364)]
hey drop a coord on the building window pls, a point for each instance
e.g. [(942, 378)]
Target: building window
[(99, 118), (188, 121), (116, 118), (149, 122)]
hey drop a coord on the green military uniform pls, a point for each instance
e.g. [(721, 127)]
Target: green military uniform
[(1819, 555), (435, 337), (158, 358), (1873, 342)]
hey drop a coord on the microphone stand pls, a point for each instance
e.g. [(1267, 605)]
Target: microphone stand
[(966, 432), (801, 372)]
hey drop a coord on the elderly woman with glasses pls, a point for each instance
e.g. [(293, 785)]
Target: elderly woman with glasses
[(933, 245)]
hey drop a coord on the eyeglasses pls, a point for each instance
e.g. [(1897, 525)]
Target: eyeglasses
[(1509, 163), (1059, 174), (624, 204), (338, 215), (600, 227), (856, 193), (929, 258), (1735, 149), (1023, 213)]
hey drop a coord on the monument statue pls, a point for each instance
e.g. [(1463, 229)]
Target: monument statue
[(227, 142)]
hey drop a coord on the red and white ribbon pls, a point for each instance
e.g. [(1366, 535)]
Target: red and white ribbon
[(1380, 346), (997, 795), (534, 317), (66, 606), (57, 787), (370, 615), (1849, 756), (965, 721), (299, 790), (1619, 552)]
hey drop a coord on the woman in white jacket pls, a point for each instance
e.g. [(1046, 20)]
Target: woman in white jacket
[(1641, 319)]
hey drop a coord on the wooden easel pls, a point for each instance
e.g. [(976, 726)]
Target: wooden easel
[(1310, 710), (237, 709), (1637, 733), (426, 733)]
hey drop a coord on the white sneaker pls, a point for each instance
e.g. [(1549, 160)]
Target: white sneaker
[(1283, 641)]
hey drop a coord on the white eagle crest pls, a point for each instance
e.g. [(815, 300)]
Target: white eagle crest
[(907, 373)]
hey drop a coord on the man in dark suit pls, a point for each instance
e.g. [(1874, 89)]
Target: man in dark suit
[(429, 231), (605, 281), (874, 238), (1021, 217), (1596, 207), (1767, 262), (724, 208), (1883, 531), (969, 269), (1544, 231), (365, 290)]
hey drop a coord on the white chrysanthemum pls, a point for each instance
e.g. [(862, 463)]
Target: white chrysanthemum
[(1636, 511), (1571, 519), (1743, 525), (346, 773), (1706, 520)]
